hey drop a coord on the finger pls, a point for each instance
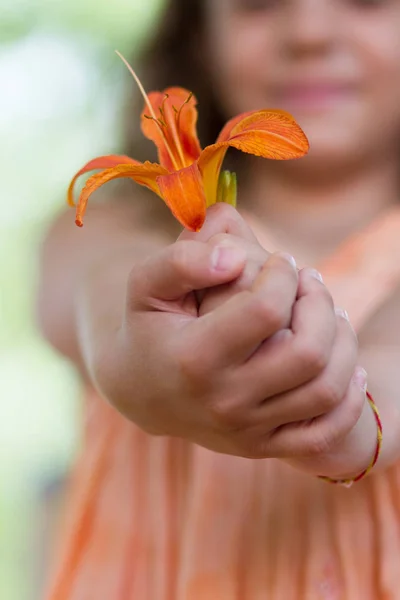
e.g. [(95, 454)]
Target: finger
[(320, 436), (232, 332), (256, 254), (183, 267), (299, 354), (322, 394), (221, 218), (210, 299)]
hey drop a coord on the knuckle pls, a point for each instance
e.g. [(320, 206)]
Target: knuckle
[(267, 312), (225, 212), (190, 367), (329, 394), (194, 372), (313, 355), (224, 415)]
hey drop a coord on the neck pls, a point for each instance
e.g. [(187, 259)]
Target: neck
[(310, 216)]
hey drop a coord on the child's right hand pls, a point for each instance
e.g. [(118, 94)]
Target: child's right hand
[(207, 378)]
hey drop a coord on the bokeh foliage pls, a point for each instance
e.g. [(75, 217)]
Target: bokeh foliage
[(61, 88)]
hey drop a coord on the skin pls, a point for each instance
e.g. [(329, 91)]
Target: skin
[(139, 336), (351, 173), (354, 155), (132, 314), (351, 46)]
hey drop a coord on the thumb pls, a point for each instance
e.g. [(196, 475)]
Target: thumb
[(183, 267)]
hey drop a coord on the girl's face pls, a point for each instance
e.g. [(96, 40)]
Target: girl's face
[(333, 64)]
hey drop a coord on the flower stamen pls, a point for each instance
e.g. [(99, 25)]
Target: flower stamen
[(178, 112), (152, 113)]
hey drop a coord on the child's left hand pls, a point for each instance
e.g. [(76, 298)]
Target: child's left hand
[(330, 389)]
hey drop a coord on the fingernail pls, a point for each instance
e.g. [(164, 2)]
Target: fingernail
[(316, 274), (361, 378), (289, 258), (226, 258), (342, 313)]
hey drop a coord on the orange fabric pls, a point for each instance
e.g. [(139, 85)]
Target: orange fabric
[(161, 519)]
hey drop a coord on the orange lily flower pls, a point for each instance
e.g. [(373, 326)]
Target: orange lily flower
[(187, 177)]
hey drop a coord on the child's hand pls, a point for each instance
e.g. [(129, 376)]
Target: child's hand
[(213, 379), (175, 373), (335, 396), (316, 389), (172, 372)]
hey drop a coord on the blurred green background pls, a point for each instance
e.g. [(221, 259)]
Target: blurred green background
[(61, 90)]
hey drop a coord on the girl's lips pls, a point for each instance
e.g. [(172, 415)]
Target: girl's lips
[(311, 97)]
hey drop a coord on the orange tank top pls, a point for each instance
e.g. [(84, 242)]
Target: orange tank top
[(162, 519)]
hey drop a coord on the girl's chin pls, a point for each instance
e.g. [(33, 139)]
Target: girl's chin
[(325, 162), (334, 139)]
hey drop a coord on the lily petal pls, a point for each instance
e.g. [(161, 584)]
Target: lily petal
[(175, 133), (267, 133), (102, 162), (183, 193), (271, 134), (229, 128), (143, 173)]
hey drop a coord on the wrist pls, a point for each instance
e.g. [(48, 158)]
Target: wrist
[(352, 455), (357, 450)]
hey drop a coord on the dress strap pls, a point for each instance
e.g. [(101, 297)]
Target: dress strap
[(363, 271)]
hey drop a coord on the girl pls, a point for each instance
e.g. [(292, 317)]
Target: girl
[(178, 508)]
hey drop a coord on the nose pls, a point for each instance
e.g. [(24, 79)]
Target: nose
[(311, 26)]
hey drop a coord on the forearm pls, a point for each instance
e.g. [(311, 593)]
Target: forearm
[(381, 365), (350, 456), (100, 256)]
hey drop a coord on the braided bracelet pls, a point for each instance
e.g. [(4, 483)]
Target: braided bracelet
[(349, 482)]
